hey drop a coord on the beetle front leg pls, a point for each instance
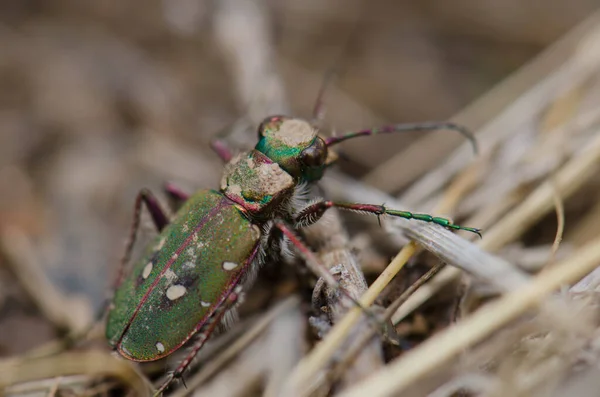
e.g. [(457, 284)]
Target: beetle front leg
[(202, 337), (175, 195), (222, 150), (313, 212), (159, 218)]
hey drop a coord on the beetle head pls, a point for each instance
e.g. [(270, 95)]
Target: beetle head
[(296, 146)]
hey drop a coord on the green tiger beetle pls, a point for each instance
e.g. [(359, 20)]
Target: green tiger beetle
[(195, 270)]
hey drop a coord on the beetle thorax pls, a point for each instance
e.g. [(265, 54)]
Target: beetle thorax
[(255, 182)]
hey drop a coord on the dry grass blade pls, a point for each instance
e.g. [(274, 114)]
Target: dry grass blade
[(90, 363), (438, 349)]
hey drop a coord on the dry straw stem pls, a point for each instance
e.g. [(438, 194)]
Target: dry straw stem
[(440, 348), (91, 363)]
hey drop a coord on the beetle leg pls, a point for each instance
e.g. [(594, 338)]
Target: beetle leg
[(159, 218), (322, 271), (222, 150), (175, 195), (318, 113), (313, 212), (202, 337), (317, 267)]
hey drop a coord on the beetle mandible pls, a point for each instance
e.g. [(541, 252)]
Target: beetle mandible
[(193, 273)]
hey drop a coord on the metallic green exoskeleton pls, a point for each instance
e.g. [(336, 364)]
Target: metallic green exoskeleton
[(192, 275)]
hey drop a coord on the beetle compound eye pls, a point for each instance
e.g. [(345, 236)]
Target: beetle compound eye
[(315, 155), (268, 124)]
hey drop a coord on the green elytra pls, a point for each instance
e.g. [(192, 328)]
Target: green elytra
[(181, 278), (192, 275)]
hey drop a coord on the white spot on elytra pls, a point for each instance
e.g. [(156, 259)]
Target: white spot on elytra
[(185, 227), (174, 257), (204, 304), (170, 276), (161, 244), (175, 292), (147, 270), (229, 265), (189, 265), (160, 347)]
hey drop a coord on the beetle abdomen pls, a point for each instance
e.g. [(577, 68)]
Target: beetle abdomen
[(184, 275)]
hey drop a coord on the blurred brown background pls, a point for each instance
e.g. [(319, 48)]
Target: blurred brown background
[(99, 99)]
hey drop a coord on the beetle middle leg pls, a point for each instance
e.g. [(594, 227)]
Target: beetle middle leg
[(222, 150), (316, 265), (202, 337), (175, 195), (159, 218)]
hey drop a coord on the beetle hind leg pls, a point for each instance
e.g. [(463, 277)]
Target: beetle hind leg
[(201, 338)]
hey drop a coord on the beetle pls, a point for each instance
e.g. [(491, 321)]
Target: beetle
[(196, 269)]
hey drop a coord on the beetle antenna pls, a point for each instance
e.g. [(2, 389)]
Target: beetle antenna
[(318, 113), (407, 127), (337, 69)]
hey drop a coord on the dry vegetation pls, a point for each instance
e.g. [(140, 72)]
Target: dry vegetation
[(99, 100)]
